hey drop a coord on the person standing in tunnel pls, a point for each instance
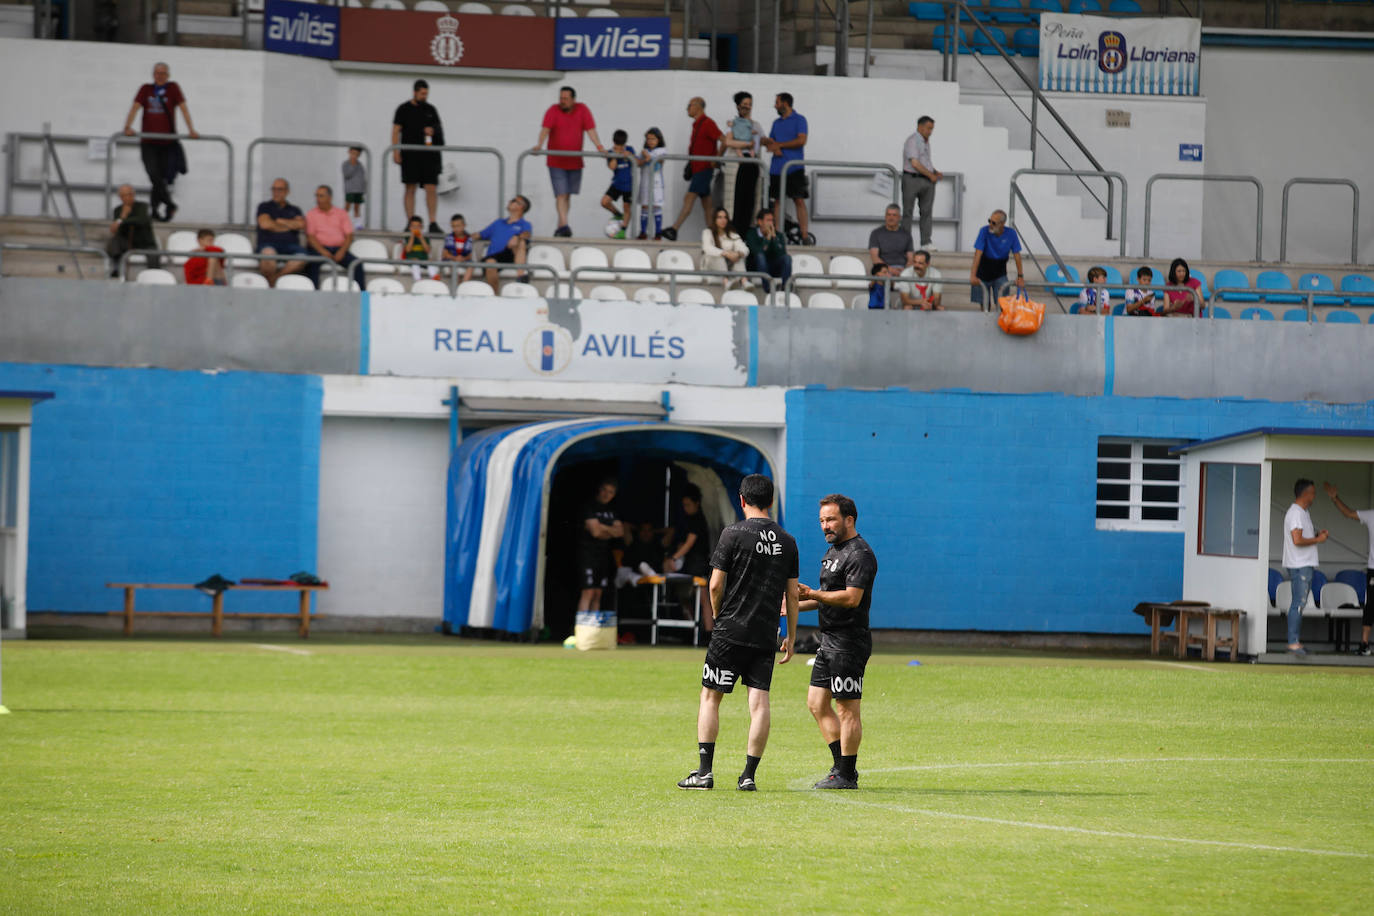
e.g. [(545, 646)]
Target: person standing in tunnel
[(599, 528)]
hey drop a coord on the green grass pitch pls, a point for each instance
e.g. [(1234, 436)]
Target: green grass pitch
[(423, 775)]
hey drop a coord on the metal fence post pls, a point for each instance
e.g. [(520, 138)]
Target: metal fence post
[(299, 141), (1248, 179), (1354, 217), (417, 147)]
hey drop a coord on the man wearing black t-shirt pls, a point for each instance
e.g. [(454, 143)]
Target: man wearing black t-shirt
[(691, 554), (417, 122), (843, 597), (600, 527), (754, 572)]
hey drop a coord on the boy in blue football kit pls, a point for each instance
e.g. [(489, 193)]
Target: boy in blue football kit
[(843, 598), (622, 180), (754, 572)]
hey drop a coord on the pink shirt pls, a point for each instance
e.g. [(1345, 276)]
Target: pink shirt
[(330, 229), (565, 132)]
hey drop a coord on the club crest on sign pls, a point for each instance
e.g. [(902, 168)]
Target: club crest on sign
[(446, 48), (1111, 52)]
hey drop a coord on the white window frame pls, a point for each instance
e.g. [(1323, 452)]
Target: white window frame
[(1137, 483)]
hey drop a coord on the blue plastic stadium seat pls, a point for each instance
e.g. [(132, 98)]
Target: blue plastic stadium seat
[(1123, 6), (1054, 275), (981, 43), (1204, 291), (977, 7), (1276, 279), (1119, 308), (939, 40), (1341, 316), (1009, 11), (933, 12), (1275, 577), (1323, 282), (1027, 42), (1083, 6), (1295, 315), (1318, 583), (1255, 313), (1358, 283), (1229, 278), (1047, 6), (1220, 311), (1355, 578), (1113, 276)]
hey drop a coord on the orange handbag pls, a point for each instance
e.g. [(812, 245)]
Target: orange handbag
[(1020, 315)]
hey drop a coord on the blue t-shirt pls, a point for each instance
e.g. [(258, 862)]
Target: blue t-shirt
[(785, 129), (997, 247), (622, 180), (500, 232)]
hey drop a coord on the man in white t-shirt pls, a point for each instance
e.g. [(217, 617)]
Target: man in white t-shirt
[(919, 286), (1366, 518), (1300, 556)]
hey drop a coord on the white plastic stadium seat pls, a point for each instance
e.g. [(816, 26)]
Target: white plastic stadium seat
[(859, 302), (156, 276), (387, 5), (519, 291), (825, 301), (475, 288), (340, 283), (804, 263), (181, 240), (562, 290), (385, 285), (1283, 597), (371, 248), (295, 281), (783, 300), (846, 265), (472, 6), (738, 297), (515, 9), (430, 6), (587, 256), (1335, 594), (234, 243), (651, 294), (548, 256), (696, 294), (429, 288), (607, 294), (633, 258), (677, 259), (245, 280), (601, 12), (565, 12)]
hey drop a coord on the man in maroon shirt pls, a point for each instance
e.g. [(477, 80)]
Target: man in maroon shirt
[(162, 159), (563, 127), (706, 141)]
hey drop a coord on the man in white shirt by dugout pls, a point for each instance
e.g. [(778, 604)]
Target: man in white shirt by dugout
[(1366, 518), (1300, 556)]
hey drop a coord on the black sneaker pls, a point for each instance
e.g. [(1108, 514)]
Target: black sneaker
[(836, 780), (695, 780), (563, 232), (214, 584), (670, 234), (747, 784), (435, 230), (1363, 649)]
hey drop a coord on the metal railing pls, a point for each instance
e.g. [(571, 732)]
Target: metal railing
[(834, 165), (115, 139), (854, 285), (635, 180), (598, 274), (1247, 179), (1078, 173), (228, 257), (248, 218), (423, 148), (1354, 217), (14, 143), (957, 220), (1309, 297), (74, 250), (451, 269)]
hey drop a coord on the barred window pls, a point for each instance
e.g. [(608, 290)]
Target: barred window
[(1138, 485)]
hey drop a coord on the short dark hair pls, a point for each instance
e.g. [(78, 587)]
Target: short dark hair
[(843, 503), (786, 97), (415, 219), (924, 120), (757, 491), (202, 233), (766, 211), (456, 216), (608, 482), (692, 492), (419, 84), (619, 137), (326, 189), (741, 96), (355, 149), (568, 89), (524, 202), (1145, 272), (1301, 486), (922, 253), (878, 267)]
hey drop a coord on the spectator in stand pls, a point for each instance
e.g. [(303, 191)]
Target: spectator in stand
[(205, 271), (721, 246), (458, 244), (767, 250), (996, 243), (563, 127), (355, 185), (919, 178), (279, 232), (919, 287), (785, 141), (1179, 303), (416, 122), (740, 189), (889, 244), (622, 181), (651, 190), (508, 239), (1094, 298), (415, 247), (131, 229), (329, 232), (705, 141), (877, 290), (1141, 301), (163, 160)]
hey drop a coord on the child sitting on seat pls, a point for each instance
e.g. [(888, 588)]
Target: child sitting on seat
[(415, 247), (1095, 299), (1141, 301)]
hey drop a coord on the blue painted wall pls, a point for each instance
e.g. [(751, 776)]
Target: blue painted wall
[(160, 476), (981, 507)]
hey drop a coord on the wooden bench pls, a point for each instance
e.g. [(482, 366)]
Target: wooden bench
[(217, 613), (1160, 616)]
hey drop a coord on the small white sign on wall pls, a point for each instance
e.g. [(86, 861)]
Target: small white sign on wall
[(97, 148)]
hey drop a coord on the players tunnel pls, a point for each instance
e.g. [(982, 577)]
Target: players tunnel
[(513, 490)]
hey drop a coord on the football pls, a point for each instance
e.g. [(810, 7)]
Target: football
[(614, 228)]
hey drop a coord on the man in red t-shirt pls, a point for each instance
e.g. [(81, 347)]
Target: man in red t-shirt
[(563, 127), (205, 271), (706, 141), (162, 159)]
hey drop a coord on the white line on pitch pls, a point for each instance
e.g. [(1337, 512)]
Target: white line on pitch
[(1116, 760), (1261, 847), (1152, 661), (293, 651)]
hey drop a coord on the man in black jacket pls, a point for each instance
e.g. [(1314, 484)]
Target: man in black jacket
[(131, 229)]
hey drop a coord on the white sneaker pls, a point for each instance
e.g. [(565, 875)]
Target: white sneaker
[(931, 246), (414, 272), (357, 222)]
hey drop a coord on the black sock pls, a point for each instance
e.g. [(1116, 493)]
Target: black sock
[(835, 751), (706, 752), (750, 765), (849, 766)]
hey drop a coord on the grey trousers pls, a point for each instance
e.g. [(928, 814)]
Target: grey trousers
[(918, 187)]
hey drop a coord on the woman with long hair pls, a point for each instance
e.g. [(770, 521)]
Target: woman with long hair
[(1180, 302), (721, 246)]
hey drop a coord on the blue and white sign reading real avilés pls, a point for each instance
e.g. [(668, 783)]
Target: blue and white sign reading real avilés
[(301, 28)]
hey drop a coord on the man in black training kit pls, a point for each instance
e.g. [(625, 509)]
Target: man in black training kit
[(595, 565), (846, 590), (753, 574)]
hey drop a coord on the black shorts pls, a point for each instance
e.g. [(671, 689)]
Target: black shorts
[(842, 673), (797, 186), (420, 168), (727, 662), (597, 575), (615, 193), (504, 256), (1368, 619)]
